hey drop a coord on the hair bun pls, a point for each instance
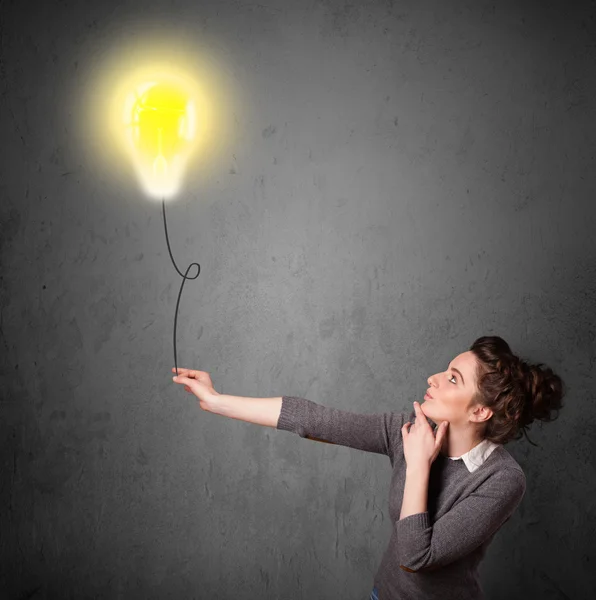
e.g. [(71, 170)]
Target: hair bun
[(546, 392), (517, 392)]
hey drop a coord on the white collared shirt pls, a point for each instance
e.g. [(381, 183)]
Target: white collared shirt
[(477, 455)]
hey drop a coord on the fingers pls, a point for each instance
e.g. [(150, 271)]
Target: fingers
[(420, 416), (186, 372), (440, 434), (184, 381)]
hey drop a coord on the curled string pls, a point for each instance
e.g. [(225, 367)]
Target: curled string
[(184, 278)]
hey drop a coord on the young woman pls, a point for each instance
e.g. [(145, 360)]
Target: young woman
[(453, 484)]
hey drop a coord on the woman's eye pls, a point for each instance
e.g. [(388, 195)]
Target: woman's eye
[(453, 377)]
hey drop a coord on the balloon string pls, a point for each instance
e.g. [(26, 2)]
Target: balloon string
[(184, 278)]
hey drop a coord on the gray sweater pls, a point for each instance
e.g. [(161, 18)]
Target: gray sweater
[(434, 554)]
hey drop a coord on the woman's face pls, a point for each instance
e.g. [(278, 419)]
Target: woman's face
[(452, 391)]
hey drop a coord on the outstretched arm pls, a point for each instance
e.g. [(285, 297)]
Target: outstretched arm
[(379, 433), (261, 411)]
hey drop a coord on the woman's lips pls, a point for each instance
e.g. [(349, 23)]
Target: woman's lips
[(427, 397)]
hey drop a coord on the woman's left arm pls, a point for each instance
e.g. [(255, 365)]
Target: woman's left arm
[(423, 545), (415, 498), (421, 446)]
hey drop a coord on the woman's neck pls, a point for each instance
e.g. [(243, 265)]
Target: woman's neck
[(457, 443)]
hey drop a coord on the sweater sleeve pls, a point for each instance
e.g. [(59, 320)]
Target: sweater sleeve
[(425, 546), (380, 433)]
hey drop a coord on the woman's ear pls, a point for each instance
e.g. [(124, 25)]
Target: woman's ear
[(481, 414)]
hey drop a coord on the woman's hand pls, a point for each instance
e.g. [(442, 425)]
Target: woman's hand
[(199, 383), (421, 447)]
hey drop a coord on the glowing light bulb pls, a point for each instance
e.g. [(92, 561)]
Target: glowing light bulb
[(160, 123)]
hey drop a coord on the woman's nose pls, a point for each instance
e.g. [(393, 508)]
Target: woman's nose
[(431, 379)]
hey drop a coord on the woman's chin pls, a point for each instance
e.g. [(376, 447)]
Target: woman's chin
[(425, 408)]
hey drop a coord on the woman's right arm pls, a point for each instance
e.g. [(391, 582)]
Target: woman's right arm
[(262, 411), (379, 433), (310, 420)]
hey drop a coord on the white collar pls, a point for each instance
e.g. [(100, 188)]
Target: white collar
[(477, 455)]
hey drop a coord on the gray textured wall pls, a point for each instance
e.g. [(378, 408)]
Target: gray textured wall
[(399, 179)]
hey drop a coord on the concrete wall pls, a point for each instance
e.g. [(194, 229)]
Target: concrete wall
[(392, 180)]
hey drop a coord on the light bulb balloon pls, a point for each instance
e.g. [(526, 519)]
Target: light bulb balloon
[(160, 130), (160, 135)]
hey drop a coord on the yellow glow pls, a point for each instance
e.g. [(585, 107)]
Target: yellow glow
[(157, 112), (159, 123)]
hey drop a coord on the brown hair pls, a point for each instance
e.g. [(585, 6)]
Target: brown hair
[(516, 392)]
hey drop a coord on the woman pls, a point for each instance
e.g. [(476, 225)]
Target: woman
[(453, 483)]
